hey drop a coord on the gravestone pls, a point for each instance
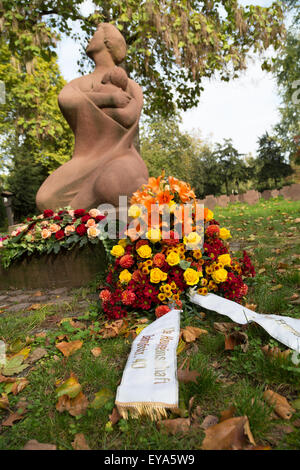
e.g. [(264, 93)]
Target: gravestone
[(233, 198), (291, 192), (210, 202), (222, 201), (268, 193), (250, 197)]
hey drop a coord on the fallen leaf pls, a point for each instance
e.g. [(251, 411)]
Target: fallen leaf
[(175, 426), (274, 288), (71, 387), (186, 375), (75, 406), (35, 307), (275, 352), (224, 327), (69, 348), (181, 347), (6, 379), (115, 416), (16, 416), (19, 385), (280, 403), (111, 330), (96, 351), (231, 434), (102, 397), (80, 443), (36, 355), (236, 338), (35, 445), (294, 297), (191, 333), (210, 420), (4, 403), (227, 414), (14, 366), (37, 294), (261, 270)]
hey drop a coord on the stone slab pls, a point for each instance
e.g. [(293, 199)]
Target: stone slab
[(250, 197)]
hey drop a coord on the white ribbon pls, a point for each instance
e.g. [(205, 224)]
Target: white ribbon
[(149, 383), (284, 329)]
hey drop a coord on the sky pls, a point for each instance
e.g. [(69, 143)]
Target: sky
[(242, 109)]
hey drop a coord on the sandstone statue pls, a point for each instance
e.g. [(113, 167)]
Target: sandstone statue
[(103, 110)]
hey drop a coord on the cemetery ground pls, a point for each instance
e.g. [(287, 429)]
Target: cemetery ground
[(225, 371)]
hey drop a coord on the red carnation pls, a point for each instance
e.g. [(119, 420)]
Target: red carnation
[(159, 259), (81, 229), (128, 297), (212, 230), (59, 235), (126, 261), (99, 218), (161, 310), (105, 295), (57, 218), (79, 213), (141, 243), (85, 218), (48, 213)]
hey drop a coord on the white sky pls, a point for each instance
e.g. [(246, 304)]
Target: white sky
[(242, 109)]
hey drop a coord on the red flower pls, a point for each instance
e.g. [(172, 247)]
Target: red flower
[(126, 261), (100, 217), (159, 260), (212, 230), (170, 238), (81, 229), (85, 218), (161, 310), (141, 243), (57, 218), (59, 235), (79, 213), (105, 295), (48, 213), (128, 297)]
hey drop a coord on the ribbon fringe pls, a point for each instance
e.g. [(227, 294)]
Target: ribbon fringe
[(155, 411)]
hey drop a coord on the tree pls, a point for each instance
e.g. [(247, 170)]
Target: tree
[(172, 44), (271, 163), (230, 167)]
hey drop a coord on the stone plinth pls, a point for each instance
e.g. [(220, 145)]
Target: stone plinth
[(291, 192), (268, 193), (72, 268)]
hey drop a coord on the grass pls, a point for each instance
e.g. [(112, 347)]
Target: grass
[(268, 231)]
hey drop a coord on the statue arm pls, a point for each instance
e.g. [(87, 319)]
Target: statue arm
[(102, 100), (128, 115)]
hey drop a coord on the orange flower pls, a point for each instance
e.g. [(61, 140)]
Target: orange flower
[(164, 197), (174, 184)]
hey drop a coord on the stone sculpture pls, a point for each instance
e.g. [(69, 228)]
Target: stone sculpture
[(103, 110)]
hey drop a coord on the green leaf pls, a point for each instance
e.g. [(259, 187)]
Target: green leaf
[(101, 398), (184, 264), (14, 366)]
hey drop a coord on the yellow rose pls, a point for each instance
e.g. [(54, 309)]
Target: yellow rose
[(125, 276), (46, 233), (225, 260), (191, 276), (156, 275), (209, 215), (94, 212), (117, 251), (144, 251), (220, 275), (69, 229), (154, 235), (173, 258), (193, 238), (90, 223), (122, 242), (134, 211), (224, 233)]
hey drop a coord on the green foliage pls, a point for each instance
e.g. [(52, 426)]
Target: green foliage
[(272, 168), (172, 45)]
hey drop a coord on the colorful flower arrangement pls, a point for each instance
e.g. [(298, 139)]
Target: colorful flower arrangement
[(156, 264), (50, 232)]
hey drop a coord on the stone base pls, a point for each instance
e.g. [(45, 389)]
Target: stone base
[(74, 268)]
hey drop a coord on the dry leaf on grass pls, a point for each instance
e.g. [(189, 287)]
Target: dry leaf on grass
[(227, 414), (80, 443), (236, 338), (280, 403), (19, 385), (75, 406), (274, 288), (17, 415), (191, 333), (35, 445), (116, 328), (69, 348), (224, 327), (4, 403), (186, 375), (36, 355), (231, 434), (252, 307), (210, 420), (175, 426), (96, 351)]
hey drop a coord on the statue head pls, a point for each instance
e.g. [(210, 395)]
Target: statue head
[(109, 37)]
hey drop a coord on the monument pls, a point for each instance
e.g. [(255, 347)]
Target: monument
[(103, 111)]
